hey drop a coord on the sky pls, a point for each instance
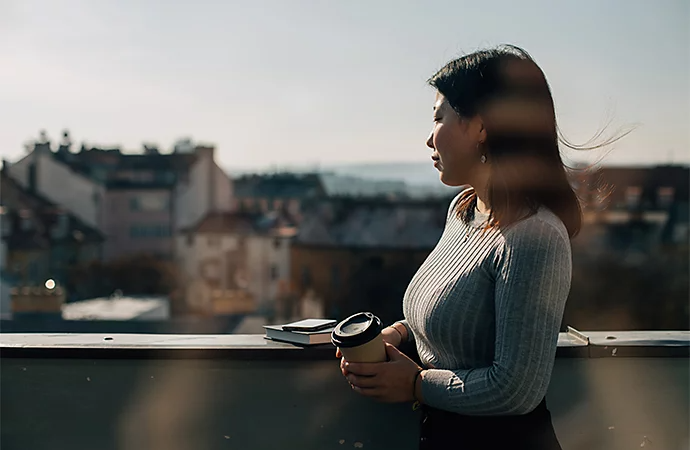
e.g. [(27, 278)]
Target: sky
[(277, 83)]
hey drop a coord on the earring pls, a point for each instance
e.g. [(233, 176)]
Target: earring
[(483, 157)]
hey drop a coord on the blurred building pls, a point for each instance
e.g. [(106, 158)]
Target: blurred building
[(41, 240), (637, 208), (43, 173), (137, 200), (355, 254), (235, 262), (286, 193), (630, 260)]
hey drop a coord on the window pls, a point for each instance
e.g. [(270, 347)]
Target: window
[(167, 177), (665, 196), (149, 231), (61, 227), (306, 276), (32, 178), (190, 239), (633, 195), (276, 243), (143, 176), (210, 270), (274, 272), (149, 203), (5, 222), (213, 241), (27, 223), (164, 231)]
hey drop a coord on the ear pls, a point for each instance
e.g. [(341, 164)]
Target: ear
[(477, 129)]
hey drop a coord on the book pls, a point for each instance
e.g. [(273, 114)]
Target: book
[(304, 332), (310, 325)]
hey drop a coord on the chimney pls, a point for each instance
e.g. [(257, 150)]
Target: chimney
[(65, 143), (183, 145), (43, 143), (205, 151), (150, 149)]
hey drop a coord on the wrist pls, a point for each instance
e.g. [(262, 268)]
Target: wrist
[(417, 385), (392, 335)]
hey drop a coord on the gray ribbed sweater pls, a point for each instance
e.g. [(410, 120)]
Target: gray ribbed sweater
[(485, 310)]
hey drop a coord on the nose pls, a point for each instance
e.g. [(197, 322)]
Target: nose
[(430, 140)]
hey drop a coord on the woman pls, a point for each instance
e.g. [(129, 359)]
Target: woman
[(484, 310)]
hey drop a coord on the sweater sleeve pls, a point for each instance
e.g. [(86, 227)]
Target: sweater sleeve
[(532, 280), (410, 336)]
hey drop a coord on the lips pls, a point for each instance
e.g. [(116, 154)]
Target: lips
[(437, 161)]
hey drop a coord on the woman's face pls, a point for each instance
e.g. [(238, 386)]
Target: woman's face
[(456, 145)]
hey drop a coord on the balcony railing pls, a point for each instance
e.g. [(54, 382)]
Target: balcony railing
[(618, 390)]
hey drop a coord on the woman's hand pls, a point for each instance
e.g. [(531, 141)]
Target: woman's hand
[(389, 334), (390, 381)]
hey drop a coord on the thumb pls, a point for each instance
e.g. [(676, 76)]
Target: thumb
[(393, 353)]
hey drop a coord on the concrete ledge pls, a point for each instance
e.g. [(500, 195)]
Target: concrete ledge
[(251, 347)]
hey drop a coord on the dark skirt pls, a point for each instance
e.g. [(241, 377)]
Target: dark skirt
[(445, 430)]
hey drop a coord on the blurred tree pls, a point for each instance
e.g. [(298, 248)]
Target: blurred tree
[(134, 275)]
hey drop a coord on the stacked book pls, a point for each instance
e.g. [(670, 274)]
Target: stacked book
[(304, 332)]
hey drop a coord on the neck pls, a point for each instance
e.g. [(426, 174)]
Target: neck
[(483, 205)]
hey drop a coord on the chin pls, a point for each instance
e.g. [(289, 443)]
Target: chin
[(445, 179)]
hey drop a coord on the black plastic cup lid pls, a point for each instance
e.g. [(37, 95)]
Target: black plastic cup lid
[(356, 330)]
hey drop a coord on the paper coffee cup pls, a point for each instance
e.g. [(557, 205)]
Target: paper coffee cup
[(359, 338)]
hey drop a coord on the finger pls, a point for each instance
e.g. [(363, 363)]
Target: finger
[(367, 392), (368, 369), (363, 382), (343, 369), (338, 353), (392, 352)]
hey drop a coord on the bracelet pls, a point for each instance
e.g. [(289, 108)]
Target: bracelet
[(414, 384)]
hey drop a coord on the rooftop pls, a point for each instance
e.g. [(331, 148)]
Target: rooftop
[(49, 222), (243, 222), (374, 225), (118, 308), (279, 185)]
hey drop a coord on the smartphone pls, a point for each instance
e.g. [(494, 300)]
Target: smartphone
[(310, 325)]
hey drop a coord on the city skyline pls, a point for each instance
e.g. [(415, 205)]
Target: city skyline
[(305, 84)]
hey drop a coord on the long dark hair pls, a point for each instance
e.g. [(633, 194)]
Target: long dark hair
[(510, 92)]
